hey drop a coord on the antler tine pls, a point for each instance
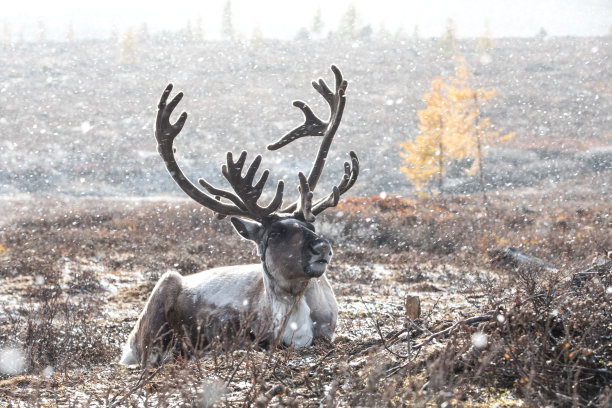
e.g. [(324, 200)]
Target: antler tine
[(330, 201), (305, 199), (218, 193), (248, 193), (351, 172), (323, 89)]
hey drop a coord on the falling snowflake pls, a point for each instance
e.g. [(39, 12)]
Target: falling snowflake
[(12, 361), (85, 127), (211, 392), (479, 340), (48, 371)]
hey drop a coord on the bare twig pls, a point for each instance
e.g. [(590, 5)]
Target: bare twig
[(382, 338), (231, 377), (432, 308), (139, 384), (472, 320), (318, 363), (448, 330), (278, 378), (398, 336), (416, 326)]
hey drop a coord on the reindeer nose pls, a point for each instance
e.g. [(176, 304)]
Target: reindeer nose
[(322, 248)]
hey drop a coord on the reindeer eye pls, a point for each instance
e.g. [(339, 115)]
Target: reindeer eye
[(277, 233)]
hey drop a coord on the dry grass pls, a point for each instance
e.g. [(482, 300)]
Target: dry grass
[(75, 274)]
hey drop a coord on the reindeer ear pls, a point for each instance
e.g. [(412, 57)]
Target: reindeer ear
[(250, 230)]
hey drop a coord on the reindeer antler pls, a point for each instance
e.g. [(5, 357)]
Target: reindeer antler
[(244, 202), (313, 126)]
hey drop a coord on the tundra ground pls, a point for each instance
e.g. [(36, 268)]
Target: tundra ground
[(492, 330)]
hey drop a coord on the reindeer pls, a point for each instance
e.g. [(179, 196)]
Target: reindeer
[(284, 299)]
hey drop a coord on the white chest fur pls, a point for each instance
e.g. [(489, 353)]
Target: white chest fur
[(297, 330)]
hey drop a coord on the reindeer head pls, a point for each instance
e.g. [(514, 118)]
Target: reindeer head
[(285, 236), (289, 247)]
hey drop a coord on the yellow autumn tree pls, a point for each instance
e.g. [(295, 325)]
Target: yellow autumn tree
[(448, 41), (424, 158), (473, 134), (128, 47), (452, 132)]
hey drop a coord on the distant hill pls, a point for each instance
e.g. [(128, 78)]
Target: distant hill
[(75, 120)]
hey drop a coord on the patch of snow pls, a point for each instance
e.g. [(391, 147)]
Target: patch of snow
[(381, 271)]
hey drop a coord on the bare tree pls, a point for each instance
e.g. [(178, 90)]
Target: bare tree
[(227, 22)]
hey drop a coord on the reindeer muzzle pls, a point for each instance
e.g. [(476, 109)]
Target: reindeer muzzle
[(320, 252)]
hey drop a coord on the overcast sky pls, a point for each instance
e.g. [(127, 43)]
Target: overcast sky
[(283, 18)]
